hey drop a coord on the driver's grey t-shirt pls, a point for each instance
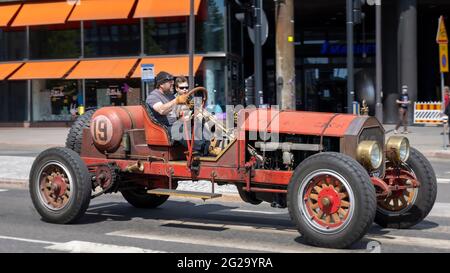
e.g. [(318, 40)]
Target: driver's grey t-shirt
[(157, 96)]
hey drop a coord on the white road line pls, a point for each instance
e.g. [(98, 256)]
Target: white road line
[(105, 214), (27, 240), (2, 190), (89, 247), (412, 241), (223, 243), (226, 225), (443, 181), (259, 212), (101, 207), (440, 210)]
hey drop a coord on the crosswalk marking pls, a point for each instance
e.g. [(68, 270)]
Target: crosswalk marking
[(440, 210), (259, 212), (27, 240), (228, 225), (223, 243), (412, 241), (89, 247), (443, 181)]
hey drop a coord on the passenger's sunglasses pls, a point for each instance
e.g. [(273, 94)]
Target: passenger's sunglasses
[(184, 87)]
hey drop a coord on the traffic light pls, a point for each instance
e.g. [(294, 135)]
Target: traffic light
[(247, 16)]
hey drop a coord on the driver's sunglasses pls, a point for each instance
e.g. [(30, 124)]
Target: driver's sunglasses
[(184, 87)]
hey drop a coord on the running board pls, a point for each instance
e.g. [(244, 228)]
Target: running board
[(191, 194)]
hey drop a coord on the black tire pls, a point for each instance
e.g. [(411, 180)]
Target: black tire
[(139, 198), (248, 197), (80, 185), (75, 136), (356, 224), (426, 195)]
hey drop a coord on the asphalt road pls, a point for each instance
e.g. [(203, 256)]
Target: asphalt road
[(185, 225), (194, 226)]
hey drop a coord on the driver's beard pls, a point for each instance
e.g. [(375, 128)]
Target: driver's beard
[(167, 92)]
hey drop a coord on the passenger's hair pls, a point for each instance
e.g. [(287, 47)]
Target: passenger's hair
[(179, 80)]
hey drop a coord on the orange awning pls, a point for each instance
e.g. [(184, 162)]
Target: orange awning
[(43, 70), (7, 68), (176, 66), (161, 8), (103, 69), (33, 14), (88, 10), (6, 14)]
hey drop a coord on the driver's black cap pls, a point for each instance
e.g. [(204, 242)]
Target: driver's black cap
[(162, 78)]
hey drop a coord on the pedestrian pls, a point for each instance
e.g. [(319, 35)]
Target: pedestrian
[(446, 102), (447, 108), (446, 96), (403, 103)]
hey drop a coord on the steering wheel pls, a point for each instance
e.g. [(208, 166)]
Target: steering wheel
[(194, 91)]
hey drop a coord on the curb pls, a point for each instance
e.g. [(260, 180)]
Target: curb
[(439, 155), (14, 183)]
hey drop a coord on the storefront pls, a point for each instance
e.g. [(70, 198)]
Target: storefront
[(90, 54)]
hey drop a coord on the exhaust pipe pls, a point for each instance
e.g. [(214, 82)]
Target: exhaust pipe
[(138, 167)]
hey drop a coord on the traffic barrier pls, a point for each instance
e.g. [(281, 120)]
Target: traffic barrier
[(428, 113)]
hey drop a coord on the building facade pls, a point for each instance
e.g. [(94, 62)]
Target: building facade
[(56, 55)]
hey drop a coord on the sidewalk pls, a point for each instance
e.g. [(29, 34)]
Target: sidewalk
[(14, 170)]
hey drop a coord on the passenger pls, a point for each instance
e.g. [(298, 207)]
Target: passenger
[(182, 87)]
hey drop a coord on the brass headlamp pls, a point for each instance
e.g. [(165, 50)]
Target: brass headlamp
[(397, 149)]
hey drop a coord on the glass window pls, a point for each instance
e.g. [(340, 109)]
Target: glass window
[(166, 37), (13, 101), (12, 44), (55, 100), (213, 71), (112, 38), (55, 42), (210, 26), (235, 30), (100, 93)]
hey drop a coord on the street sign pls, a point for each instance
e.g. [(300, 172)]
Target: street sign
[(443, 58), (147, 72), (264, 30), (442, 37)]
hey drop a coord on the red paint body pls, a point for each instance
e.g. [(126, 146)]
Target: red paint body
[(231, 167)]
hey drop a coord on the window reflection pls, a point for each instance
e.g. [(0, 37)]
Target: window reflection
[(112, 38), (55, 42), (12, 44)]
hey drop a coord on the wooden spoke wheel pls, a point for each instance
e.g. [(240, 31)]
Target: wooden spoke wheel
[(327, 199), (332, 200), (400, 200)]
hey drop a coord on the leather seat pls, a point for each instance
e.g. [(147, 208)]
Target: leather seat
[(156, 122)]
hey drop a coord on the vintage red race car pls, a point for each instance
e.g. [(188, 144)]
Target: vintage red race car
[(335, 173)]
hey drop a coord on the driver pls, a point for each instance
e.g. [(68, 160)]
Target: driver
[(162, 103)]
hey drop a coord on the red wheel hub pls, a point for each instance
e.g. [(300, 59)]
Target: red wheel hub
[(58, 186), (329, 201)]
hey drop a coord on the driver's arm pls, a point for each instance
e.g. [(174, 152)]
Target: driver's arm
[(164, 109)]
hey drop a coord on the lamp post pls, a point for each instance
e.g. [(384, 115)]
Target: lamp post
[(379, 62), (350, 58)]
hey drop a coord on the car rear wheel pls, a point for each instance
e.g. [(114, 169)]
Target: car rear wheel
[(408, 207), (75, 136), (331, 200), (60, 186), (139, 198)]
